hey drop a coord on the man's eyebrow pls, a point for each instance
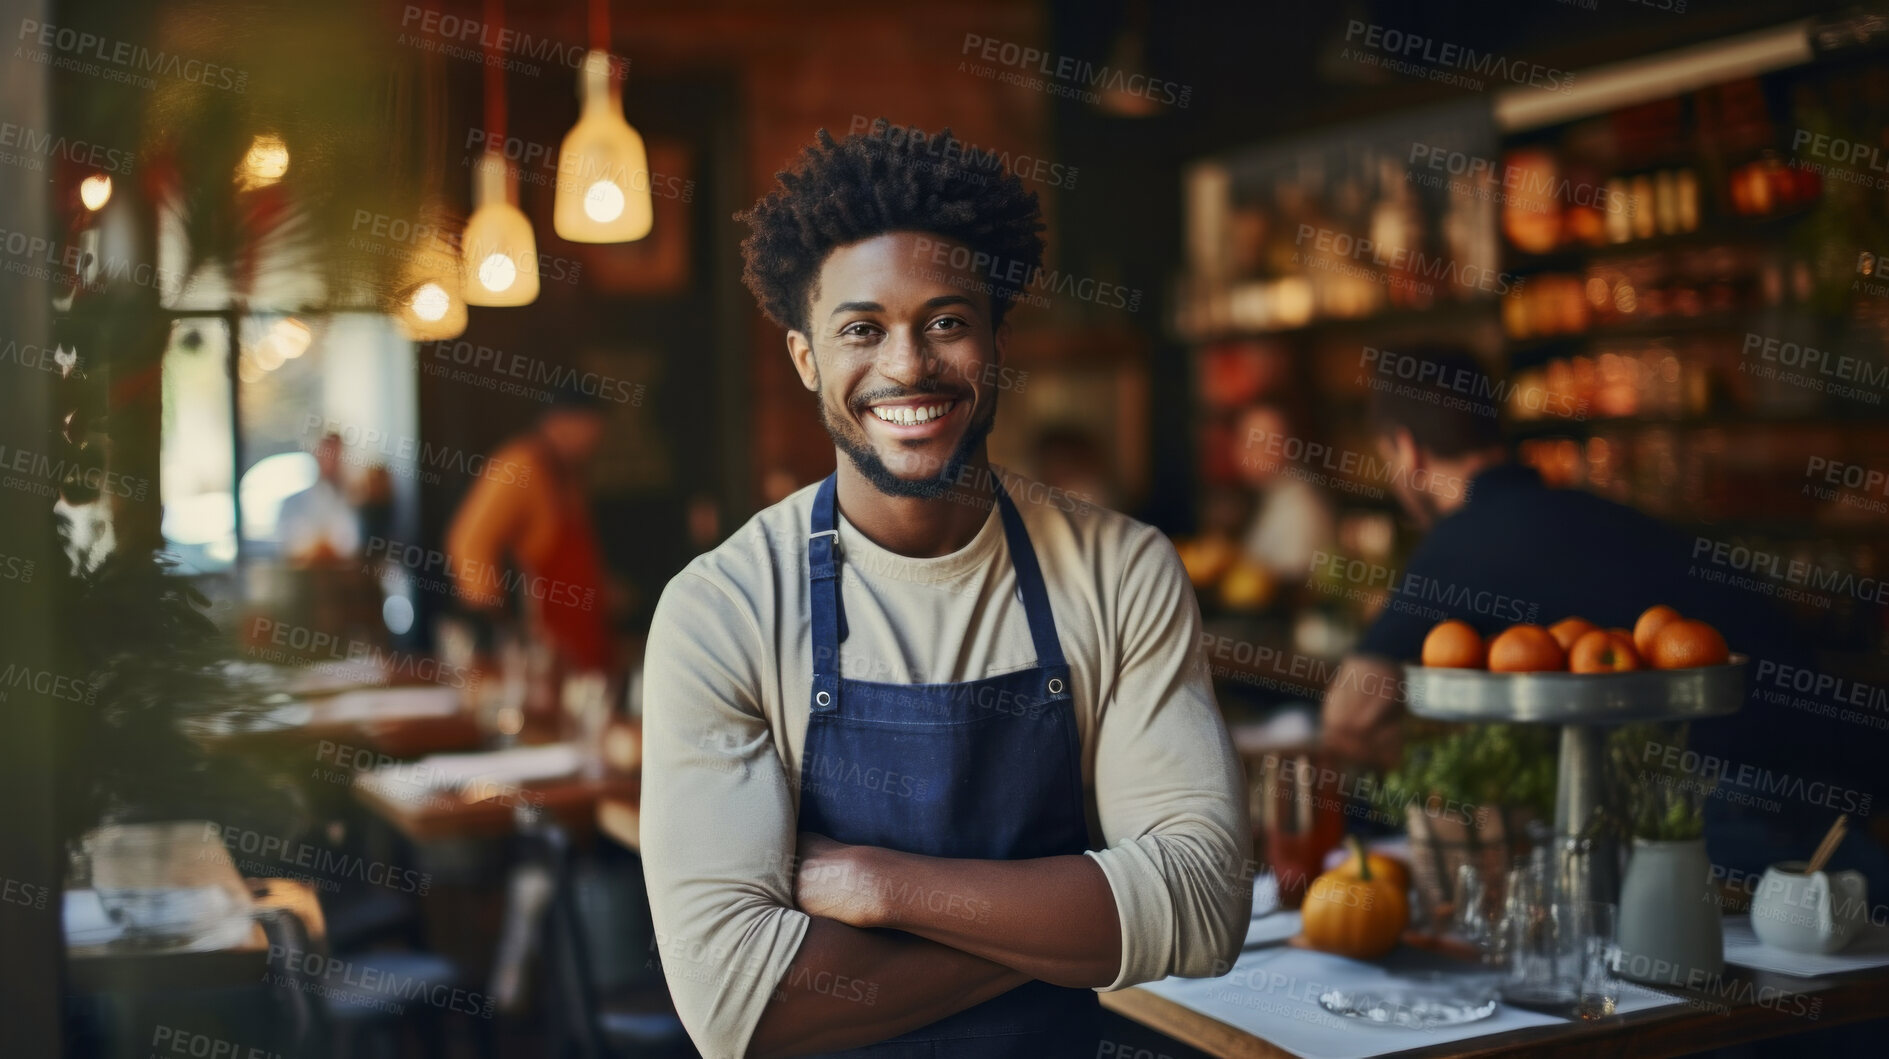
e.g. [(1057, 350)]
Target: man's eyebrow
[(875, 307)]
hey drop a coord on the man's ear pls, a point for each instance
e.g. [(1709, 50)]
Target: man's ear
[(802, 353), (1000, 341)]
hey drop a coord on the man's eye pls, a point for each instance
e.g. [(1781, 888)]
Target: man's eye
[(948, 323), (857, 330)]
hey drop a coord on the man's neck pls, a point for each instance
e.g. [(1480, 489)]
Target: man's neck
[(920, 528), (1462, 469)]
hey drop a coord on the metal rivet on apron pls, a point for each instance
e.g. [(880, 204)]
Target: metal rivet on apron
[(823, 698), (1055, 686)]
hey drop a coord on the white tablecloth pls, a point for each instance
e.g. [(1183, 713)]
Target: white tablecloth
[(1272, 992), (1870, 948), (472, 776)]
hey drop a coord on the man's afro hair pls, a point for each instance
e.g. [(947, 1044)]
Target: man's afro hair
[(888, 179)]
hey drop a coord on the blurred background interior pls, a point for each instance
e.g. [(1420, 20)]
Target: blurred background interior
[(429, 521)]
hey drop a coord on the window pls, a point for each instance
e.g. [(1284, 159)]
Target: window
[(298, 378)]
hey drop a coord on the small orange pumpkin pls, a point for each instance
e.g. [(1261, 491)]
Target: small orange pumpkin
[(1354, 909), (1394, 871)]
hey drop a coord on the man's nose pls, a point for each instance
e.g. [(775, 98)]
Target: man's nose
[(905, 360)]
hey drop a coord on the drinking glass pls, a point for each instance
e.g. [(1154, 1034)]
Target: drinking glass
[(1300, 824), (1600, 957), (458, 642), (1540, 940), (587, 711), (1523, 894), (502, 701), (1561, 956), (1466, 900), (1474, 917)]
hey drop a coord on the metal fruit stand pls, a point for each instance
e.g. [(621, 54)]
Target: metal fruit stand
[(1584, 705)]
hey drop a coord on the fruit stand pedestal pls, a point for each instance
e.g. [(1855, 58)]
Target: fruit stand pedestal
[(1584, 705)]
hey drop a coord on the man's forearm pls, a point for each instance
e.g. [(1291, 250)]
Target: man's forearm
[(1052, 918), (849, 987)]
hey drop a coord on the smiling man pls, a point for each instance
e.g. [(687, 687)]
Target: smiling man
[(931, 754)]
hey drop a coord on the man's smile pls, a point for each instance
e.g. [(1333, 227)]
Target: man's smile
[(915, 418)]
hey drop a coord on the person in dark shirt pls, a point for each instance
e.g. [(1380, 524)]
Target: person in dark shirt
[(1504, 548)]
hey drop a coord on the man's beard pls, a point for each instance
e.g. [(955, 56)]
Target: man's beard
[(874, 470)]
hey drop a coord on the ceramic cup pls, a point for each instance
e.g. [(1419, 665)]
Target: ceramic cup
[(1803, 911)]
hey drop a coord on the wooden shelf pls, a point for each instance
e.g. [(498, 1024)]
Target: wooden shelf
[(1661, 327), (1444, 315), (1731, 231), (1540, 428)]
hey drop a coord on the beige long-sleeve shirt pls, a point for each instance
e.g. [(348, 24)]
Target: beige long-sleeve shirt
[(726, 685)]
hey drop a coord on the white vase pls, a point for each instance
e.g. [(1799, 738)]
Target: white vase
[(1671, 928)]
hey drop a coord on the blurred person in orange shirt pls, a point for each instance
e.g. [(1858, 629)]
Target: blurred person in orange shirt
[(526, 525)]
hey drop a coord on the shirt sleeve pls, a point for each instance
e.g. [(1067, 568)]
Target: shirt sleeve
[(1170, 792), (718, 822)]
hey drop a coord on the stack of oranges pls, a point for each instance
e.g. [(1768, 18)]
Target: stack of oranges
[(1661, 639)]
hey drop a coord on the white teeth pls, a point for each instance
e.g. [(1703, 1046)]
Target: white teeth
[(911, 415)]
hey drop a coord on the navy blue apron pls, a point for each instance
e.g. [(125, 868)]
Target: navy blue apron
[(987, 769)]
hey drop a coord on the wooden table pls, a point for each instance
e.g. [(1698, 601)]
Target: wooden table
[(350, 718), (105, 968), (445, 816), (1713, 1020)]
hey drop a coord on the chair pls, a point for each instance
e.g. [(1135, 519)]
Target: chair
[(297, 1008), (344, 1015), (578, 1024)]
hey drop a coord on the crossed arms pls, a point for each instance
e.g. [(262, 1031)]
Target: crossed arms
[(778, 943), (970, 929)]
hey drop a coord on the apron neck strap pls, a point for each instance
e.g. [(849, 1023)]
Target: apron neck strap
[(823, 580), (1049, 649), (829, 618)]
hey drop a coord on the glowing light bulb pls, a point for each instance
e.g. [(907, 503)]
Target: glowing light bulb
[(291, 336), (430, 302), (266, 162), (603, 183), (427, 300), (498, 237), (497, 273), (95, 191), (604, 202)]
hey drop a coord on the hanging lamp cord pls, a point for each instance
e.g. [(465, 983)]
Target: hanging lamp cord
[(600, 32), (494, 75)]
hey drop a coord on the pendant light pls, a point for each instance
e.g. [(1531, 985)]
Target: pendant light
[(603, 170), (1126, 59), (430, 303), (498, 252)]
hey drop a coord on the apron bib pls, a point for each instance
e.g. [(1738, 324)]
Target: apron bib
[(986, 769)]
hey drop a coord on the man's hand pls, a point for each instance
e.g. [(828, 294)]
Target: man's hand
[(834, 882), (1362, 709), (1052, 918)]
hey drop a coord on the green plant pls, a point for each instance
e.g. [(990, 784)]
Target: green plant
[(1650, 792), (156, 673), (1493, 765)]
